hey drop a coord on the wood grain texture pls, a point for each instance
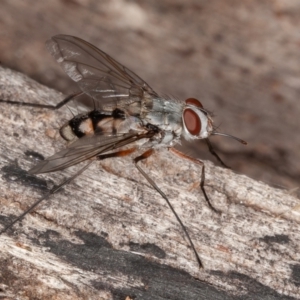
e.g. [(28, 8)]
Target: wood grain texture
[(109, 235)]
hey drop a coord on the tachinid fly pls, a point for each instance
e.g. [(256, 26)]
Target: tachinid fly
[(129, 116)]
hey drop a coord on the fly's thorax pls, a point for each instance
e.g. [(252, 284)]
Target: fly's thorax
[(163, 113), (96, 121), (197, 123)]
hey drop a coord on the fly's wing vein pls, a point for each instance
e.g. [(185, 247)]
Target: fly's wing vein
[(96, 72)]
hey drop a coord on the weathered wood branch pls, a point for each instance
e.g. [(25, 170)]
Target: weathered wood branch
[(109, 235)]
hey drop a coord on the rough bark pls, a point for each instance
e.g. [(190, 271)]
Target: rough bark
[(109, 235), (240, 58)]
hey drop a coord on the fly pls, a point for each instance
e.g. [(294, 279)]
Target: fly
[(129, 116)]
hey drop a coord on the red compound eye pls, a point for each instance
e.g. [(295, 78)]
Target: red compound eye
[(194, 102), (192, 121)]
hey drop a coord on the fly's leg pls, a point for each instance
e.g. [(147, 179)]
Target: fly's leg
[(54, 190), (52, 107), (212, 151), (116, 154), (144, 156), (202, 178)]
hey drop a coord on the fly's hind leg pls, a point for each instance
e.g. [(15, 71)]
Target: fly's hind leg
[(55, 189), (51, 107), (202, 178)]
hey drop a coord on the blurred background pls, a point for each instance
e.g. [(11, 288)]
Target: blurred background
[(240, 58)]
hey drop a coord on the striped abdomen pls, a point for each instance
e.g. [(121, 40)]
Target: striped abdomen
[(93, 122)]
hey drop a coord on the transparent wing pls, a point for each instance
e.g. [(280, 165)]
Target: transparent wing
[(86, 148), (97, 74)]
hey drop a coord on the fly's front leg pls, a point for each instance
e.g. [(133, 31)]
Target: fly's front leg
[(214, 153), (202, 178), (51, 107)]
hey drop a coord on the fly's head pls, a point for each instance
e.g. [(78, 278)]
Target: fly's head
[(197, 123)]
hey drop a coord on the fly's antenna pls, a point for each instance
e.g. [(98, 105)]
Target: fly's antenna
[(230, 136)]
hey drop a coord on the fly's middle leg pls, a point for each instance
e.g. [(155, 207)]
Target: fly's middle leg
[(116, 154), (145, 155)]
